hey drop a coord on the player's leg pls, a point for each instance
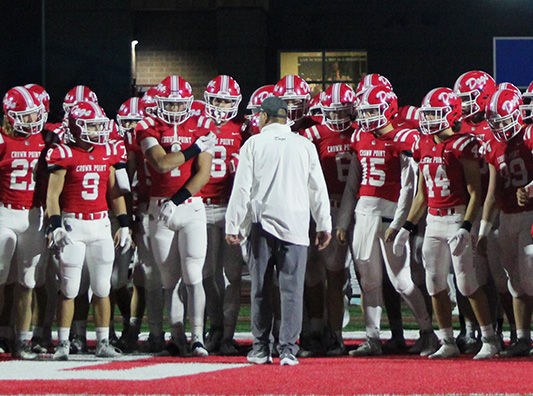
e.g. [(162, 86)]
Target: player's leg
[(233, 265), (513, 236), (399, 272), (99, 259), (437, 258), (165, 248), (314, 303), (192, 247), (70, 267), (213, 279), (369, 265)]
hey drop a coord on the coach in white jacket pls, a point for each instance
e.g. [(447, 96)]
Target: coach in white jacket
[(279, 182)]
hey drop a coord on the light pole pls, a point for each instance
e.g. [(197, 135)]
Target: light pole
[(134, 66)]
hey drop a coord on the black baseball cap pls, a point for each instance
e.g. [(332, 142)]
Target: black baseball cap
[(274, 107)]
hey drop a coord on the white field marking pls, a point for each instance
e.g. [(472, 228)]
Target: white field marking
[(21, 370)]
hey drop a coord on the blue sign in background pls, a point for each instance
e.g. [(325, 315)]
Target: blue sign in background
[(513, 60)]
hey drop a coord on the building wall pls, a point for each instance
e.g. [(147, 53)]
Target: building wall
[(418, 44)]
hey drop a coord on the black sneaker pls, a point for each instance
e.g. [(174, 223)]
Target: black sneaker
[(311, 345), (5, 345), (521, 347), (78, 345), (23, 350), (38, 345)]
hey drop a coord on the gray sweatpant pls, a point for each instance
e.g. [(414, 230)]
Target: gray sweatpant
[(267, 252)]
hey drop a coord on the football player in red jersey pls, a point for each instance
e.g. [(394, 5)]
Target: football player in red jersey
[(177, 213), (47, 285), (21, 218), (82, 180), (296, 92), (379, 190), (510, 159), (147, 285), (251, 125), (527, 107), (475, 88), (327, 267), (406, 118), (449, 185), (223, 265)]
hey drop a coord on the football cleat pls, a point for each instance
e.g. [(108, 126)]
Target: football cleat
[(490, 348), (521, 347), (62, 351), (371, 347), (447, 350), (106, 350), (23, 350)]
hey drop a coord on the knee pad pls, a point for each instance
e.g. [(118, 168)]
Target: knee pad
[(192, 271), (101, 288), (369, 278), (70, 290), (435, 284), (467, 284)]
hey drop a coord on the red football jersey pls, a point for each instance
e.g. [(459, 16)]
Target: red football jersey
[(229, 141), (442, 170), (18, 158), (172, 139), (513, 161), (118, 150), (482, 132), (380, 161), (142, 188), (334, 153), (85, 188)]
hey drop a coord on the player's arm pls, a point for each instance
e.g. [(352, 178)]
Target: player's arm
[(131, 165), (191, 187), (56, 181), (115, 197), (473, 185), (418, 208), (405, 199), (164, 162), (349, 198), (490, 211), (201, 177), (420, 202)]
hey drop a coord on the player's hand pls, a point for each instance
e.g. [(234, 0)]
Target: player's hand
[(340, 234), (400, 241), (481, 246), (322, 239), (390, 234), (459, 241), (206, 142), (60, 238), (123, 239), (528, 250), (522, 196), (233, 239), (166, 211)]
